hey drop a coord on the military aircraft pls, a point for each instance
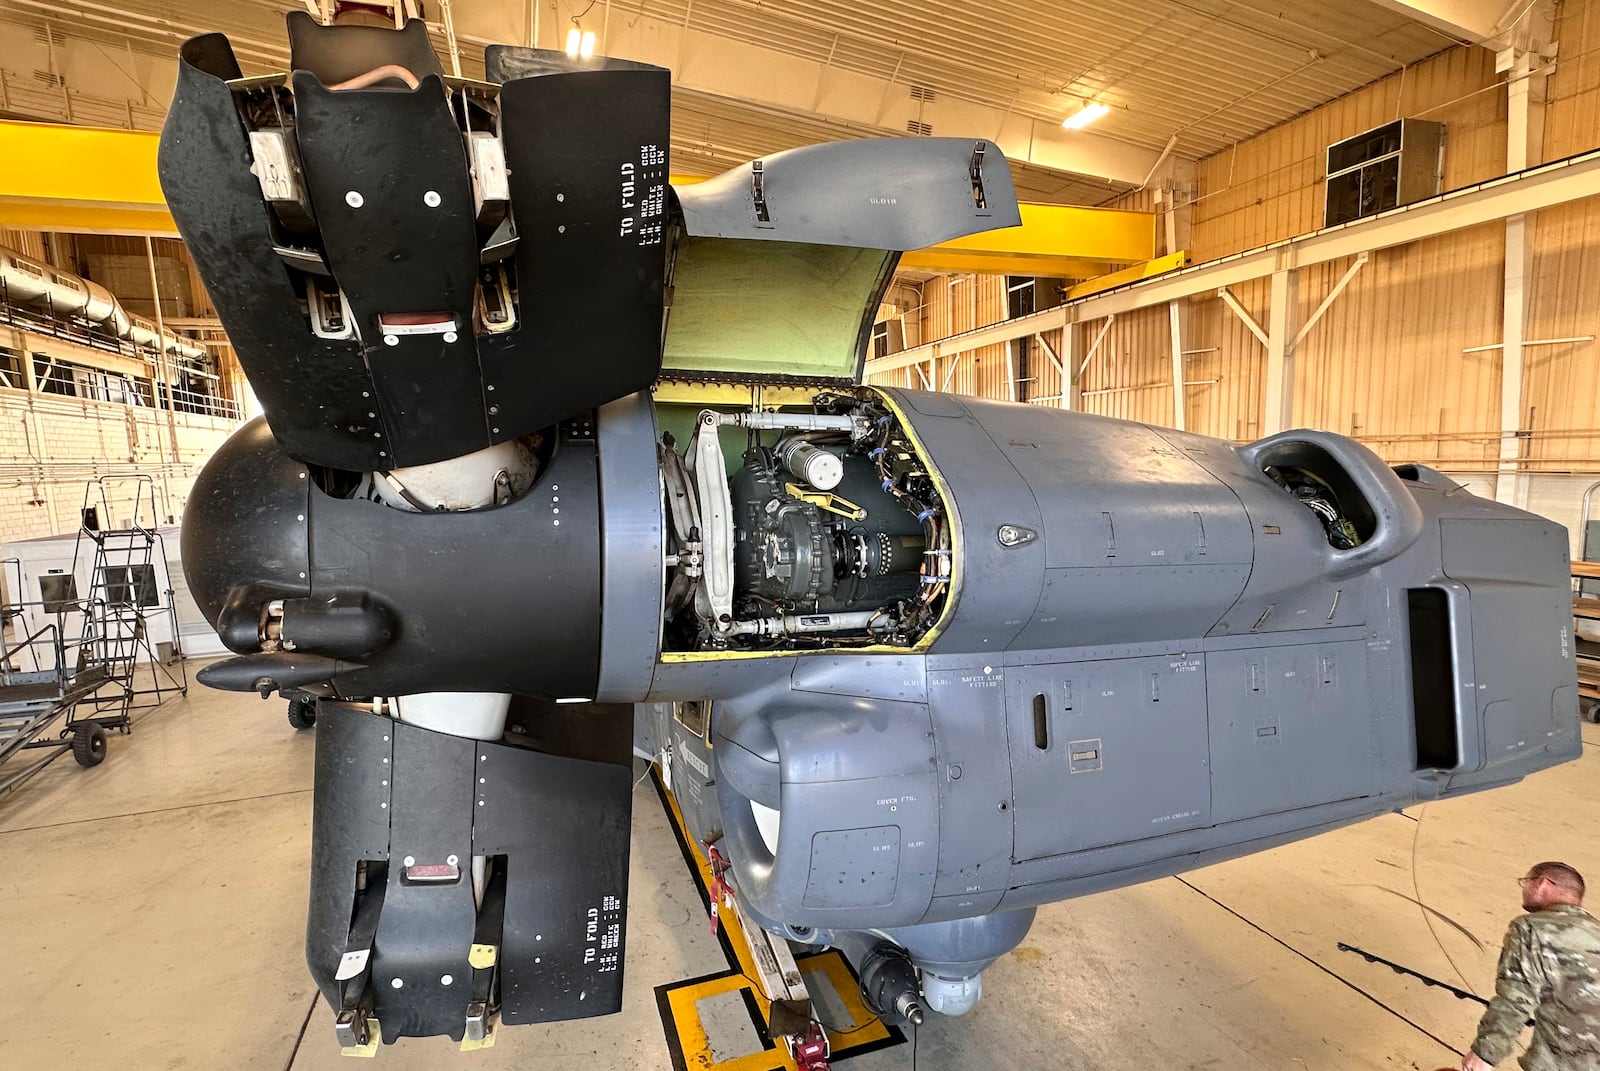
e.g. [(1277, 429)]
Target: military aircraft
[(914, 664)]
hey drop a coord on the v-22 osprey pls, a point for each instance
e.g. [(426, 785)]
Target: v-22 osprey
[(914, 663)]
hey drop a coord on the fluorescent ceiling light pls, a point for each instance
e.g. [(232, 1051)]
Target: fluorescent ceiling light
[(574, 41), (1084, 116), (586, 49)]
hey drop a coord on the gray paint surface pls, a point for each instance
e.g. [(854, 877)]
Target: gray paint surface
[(903, 193), (1249, 689)]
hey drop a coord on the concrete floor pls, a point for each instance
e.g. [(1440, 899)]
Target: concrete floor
[(152, 913)]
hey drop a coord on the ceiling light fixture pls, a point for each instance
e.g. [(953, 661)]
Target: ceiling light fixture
[(580, 42), (1084, 116)]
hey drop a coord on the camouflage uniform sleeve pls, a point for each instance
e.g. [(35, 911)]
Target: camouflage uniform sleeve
[(1516, 995)]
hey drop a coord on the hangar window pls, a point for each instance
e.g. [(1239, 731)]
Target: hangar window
[(11, 369), (1020, 302), (55, 376)]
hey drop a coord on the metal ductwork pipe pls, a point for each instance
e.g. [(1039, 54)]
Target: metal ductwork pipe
[(28, 282)]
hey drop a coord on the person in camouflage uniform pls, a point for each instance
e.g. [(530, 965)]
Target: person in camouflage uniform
[(1550, 973)]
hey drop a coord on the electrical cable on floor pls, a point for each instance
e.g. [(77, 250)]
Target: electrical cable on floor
[(834, 1032), (1330, 973), (156, 810), (1427, 912), (636, 784), (300, 1038)]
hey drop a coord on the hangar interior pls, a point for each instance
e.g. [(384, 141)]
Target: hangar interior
[(1375, 218)]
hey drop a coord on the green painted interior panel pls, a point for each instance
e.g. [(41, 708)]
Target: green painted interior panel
[(757, 308)]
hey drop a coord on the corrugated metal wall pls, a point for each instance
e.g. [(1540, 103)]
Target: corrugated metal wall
[(1270, 187), (28, 243), (120, 245), (72, 251), (1561, 391), (1386, 363), (957, 303)]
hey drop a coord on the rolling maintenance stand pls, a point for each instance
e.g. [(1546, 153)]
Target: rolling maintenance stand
[(39, 687), (82, 687)]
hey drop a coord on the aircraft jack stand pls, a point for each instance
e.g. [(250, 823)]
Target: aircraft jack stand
[(774, 982), (805, 1038), (791, 1018)]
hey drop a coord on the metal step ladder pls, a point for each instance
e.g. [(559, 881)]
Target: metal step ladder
[(122, 600)]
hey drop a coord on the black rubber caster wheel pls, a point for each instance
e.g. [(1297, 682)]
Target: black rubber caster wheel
[(1590, 709), (302, 713), (89, 745)]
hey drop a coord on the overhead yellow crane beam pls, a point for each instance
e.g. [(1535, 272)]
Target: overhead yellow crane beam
[(87, 179), (1054, 241), (81, 179), (1146, 270), (1058, 241)]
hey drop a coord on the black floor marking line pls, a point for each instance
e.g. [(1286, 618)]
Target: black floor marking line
[(694, 869), (748, 996), (154, 810), (300, 1038), (664, 1008), (1331, 974)]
